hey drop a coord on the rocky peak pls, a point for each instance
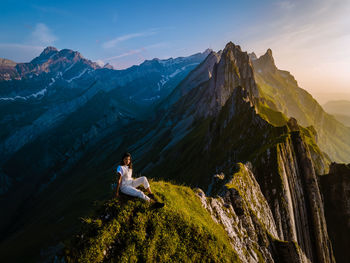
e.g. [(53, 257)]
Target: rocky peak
[(266, 62), (70, 55), (269, 52), (47, 53), (231, 45), (207, 51), (7, 63), (200, 75), (233, 70), (253, 56), (48, 50), (211, 84), (55, 55), (7, 69), (52, 60), (293, 124), (109, 66)]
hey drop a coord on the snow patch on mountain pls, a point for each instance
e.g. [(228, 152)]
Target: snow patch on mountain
[(39, 94), (165, 79), (69, 67), (78, 76), (52, 81), (152, 98)]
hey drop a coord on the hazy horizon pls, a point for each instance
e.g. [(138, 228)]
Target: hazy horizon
[(310, 39)]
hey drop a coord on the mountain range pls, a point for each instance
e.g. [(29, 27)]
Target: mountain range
[(233, 126), (340, 109)]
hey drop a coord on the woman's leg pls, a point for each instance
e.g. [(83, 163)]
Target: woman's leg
[(142, 181), (130, 190)]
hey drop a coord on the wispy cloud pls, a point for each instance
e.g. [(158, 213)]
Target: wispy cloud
[(100, 62), (52, 10), (19, 52), (115, 41), (308, 39), (135, 51), (21, 46), (40, 37), (115, 17), (43, 35), (285, 5)]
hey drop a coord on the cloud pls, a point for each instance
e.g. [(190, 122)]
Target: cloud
[(22, 46), (52, 10), (100, 62), (43, 35), (128, 53), (310, 39), (115, 41), (115, 17), (40, 37), (285, 5), (19, 52), (301, 27), (135, 51)]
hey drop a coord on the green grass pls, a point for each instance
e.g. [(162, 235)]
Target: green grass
[(276, 118), (182, 231)]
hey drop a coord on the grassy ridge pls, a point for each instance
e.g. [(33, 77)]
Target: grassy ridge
[(130, 230)]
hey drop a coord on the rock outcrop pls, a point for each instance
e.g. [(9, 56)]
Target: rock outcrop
[(287, 176), (265, 63), (335, 188), (245, 214)]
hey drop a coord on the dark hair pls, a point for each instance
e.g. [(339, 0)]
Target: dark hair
[(124, 156)]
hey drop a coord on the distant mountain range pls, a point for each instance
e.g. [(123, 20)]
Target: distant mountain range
[(41, 100), (282, 93), (340, 109), (66, 121)]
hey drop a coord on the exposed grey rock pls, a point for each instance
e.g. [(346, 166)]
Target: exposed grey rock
[(245, 215), (292, 192)]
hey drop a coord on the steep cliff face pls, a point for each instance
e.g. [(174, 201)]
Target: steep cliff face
[(335, 188), (288, 180), (247, 218), (286, 175)]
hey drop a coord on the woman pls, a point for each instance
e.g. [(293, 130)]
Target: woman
[(128, 185)]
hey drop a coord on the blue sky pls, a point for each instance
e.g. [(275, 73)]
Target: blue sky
[(306, 37)]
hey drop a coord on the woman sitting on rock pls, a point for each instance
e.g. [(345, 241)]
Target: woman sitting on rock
[(128, 185)]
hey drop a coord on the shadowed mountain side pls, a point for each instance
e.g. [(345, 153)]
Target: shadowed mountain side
[(335, 188)]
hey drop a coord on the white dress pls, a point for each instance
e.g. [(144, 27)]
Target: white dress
[(128, 184)]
